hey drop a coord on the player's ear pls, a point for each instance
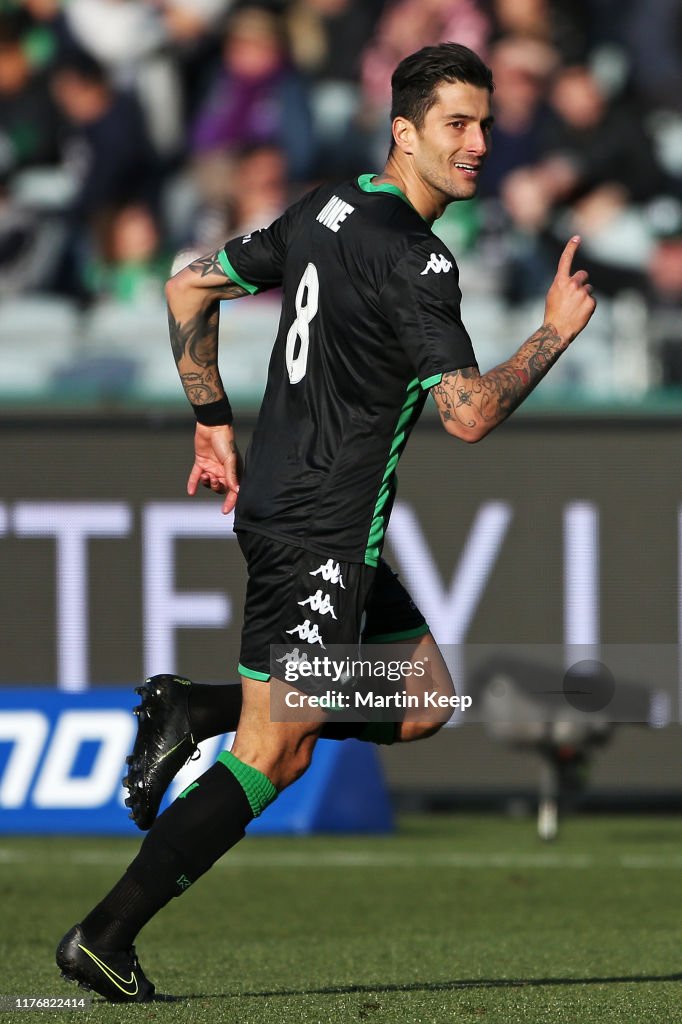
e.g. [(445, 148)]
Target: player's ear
[(404, 134)]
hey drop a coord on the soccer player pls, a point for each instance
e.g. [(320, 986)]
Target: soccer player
[(370, 326)]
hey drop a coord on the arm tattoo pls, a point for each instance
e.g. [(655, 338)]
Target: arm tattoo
[(208, 265), (211, 265), (197, 338), (194, 341), (467, 397), (201, 388), (195, 346)]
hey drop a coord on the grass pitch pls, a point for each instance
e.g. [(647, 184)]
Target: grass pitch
[(461, 919)]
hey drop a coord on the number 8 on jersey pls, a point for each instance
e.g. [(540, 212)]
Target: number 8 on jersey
[(297, 362)]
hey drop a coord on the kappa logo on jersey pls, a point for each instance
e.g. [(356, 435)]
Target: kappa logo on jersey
[(330, 572), (321, 603), (333, 214), (438, 264), (310, 632)]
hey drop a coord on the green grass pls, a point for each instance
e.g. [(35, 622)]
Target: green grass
[(461, 919)]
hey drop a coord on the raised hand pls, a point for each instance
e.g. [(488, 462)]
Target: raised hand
[(569, 303)]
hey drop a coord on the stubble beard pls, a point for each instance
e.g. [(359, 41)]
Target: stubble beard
[(444, 184)]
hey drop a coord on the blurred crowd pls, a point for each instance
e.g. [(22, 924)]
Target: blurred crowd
[(134, 129)]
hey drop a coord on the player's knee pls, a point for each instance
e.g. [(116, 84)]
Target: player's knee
[(412, 731)]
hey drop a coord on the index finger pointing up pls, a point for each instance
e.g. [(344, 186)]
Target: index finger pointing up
[(566, 258)]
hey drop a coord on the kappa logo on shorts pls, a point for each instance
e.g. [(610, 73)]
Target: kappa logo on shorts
[(330, 572), (438, 264), (310, 632), (321, 603), (292, 657)]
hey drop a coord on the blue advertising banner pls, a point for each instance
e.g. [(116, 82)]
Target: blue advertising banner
[(62, 758)]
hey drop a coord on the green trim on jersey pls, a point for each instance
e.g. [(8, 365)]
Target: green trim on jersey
[(435, 378), (365, 183), (232, 273), (251, 673), (378, 525)]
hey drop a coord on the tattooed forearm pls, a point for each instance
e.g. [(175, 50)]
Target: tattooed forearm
[(195, 348), (478, 402), (196, 338), (202, 388), (193, 314)]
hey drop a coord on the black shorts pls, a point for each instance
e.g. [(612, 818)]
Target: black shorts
[(293, 594)]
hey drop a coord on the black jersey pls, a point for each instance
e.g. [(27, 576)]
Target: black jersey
[(370, 321)]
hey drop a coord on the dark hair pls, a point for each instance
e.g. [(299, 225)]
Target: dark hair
[(415, 80), (83, 66)]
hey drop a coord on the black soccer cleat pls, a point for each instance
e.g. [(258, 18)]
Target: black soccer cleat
[(114, 974), (164, 743)]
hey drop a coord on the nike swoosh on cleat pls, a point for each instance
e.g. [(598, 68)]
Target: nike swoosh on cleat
[(171, 751), (112, 976)]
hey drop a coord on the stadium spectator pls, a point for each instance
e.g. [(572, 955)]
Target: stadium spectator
[(530, 18), (522, 68), (29, 125), (128, 38), (192, 29), (259, 192), (117, 33), (664, 290), (255, 193), (328, 39), (20, 263), (559, 23), (653, 38), (597, 169), (603, 139), (110, 156), (131, 268), (47, 35), (257, 97)]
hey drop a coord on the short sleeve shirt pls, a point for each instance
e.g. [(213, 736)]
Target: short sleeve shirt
[(370, 321)]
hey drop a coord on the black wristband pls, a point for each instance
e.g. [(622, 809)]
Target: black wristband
[(214, 414)]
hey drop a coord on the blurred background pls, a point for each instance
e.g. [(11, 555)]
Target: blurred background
[(133, 131), (136, 135)]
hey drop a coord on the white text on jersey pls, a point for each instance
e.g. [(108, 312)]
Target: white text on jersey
[(438, 264), (334, 213)]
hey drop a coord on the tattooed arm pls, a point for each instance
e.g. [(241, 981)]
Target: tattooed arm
[(472, 404), (194, 296)]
